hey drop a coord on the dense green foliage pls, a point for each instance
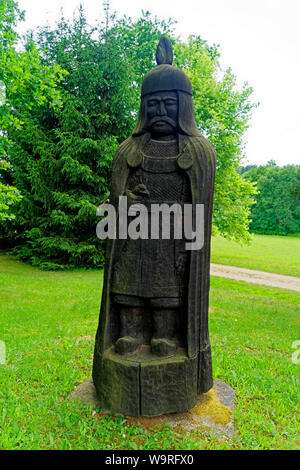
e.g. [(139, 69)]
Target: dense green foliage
[(24, 83), (222, 114), (62, 157), (277, 210)]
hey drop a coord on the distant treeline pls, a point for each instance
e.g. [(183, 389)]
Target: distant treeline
[(277, 210)]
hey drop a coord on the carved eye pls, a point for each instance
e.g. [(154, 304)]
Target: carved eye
[(170, 102), (152, 103)]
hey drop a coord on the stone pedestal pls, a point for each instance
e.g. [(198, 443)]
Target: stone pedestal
[(211, 413)]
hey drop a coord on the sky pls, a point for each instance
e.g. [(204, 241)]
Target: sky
[(259, 40)]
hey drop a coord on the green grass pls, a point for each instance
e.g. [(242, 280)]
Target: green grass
[(265, 253), (48, 321)]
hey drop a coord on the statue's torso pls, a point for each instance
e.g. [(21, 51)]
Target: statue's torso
[(155, 268)]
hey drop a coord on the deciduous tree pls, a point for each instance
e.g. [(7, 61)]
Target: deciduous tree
[(24, 83)]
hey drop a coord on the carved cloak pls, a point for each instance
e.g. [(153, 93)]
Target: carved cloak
[(198, 159)]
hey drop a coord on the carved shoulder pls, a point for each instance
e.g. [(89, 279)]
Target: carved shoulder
[(121, 152)]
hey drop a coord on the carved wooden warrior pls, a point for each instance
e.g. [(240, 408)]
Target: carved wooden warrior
[(152, 352)]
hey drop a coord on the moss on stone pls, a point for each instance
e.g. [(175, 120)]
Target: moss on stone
[(208, 404)]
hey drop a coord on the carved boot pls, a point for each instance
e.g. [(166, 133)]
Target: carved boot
[(131, 330), (163, 342)]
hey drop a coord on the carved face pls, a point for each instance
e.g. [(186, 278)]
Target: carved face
[(162, 113)]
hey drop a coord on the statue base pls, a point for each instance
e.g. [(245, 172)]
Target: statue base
[(143, 384), (212, 412)]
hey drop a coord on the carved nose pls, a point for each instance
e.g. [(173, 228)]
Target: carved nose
[(162, 109)]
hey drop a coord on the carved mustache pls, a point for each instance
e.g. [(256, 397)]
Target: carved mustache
[(166, 119)]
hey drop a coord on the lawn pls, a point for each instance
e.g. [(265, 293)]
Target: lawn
[(266, 253), (48, 321)]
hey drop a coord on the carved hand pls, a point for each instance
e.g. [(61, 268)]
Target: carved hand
[(138, 194)]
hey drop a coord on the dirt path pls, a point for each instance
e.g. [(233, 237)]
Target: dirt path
[(256, 277)]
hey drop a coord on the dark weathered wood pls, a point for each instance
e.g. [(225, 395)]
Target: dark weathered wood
[(141, 384), (152, 351)]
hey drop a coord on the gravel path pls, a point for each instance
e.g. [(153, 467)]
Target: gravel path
[(256, 277)]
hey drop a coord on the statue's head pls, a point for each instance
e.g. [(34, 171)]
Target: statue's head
[(166, 98)]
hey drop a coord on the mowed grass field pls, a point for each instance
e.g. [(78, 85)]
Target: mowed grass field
[(265, 253), (48, 322)]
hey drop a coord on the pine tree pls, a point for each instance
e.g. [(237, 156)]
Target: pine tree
[(62, 158)]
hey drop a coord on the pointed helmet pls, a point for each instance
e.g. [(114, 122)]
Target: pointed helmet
[(165, 77)]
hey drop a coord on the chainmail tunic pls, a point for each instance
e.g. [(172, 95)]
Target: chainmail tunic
[(155, 268)]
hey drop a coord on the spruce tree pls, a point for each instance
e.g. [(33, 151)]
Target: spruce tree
[(62, 158)]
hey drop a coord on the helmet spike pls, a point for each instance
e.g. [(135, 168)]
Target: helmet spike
[(164, 51)]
